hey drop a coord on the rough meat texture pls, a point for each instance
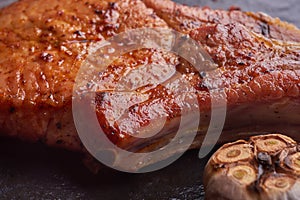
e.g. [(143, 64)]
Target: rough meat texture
[(184, 19), (44, 42), (253, 70), (42, 46)]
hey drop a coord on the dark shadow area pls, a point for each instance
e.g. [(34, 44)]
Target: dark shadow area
[(33, 171)]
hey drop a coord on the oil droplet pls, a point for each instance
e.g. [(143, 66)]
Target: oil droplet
[(111, 50), (140, 163)]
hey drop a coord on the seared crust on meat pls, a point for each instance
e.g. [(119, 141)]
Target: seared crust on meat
[(251, 64), (184, 19), (44, 42), (42, 45), (253, 70)]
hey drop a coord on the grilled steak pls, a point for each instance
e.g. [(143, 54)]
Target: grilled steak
[(260, 78), (44, 42), (42, 46)]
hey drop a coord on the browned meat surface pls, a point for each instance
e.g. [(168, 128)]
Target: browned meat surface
[(42, 46), (255, 72), (185, 18), (44, 42)]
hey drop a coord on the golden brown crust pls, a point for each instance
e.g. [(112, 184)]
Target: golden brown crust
[(44, 42), (42, 46), (253, 69)]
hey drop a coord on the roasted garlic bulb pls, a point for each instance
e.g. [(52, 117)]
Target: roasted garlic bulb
[(267, 167)]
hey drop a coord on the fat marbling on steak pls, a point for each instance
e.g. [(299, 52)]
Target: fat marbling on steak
[(44, 42)]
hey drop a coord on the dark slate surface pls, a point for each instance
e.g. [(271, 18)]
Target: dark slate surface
[(32, 171)]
